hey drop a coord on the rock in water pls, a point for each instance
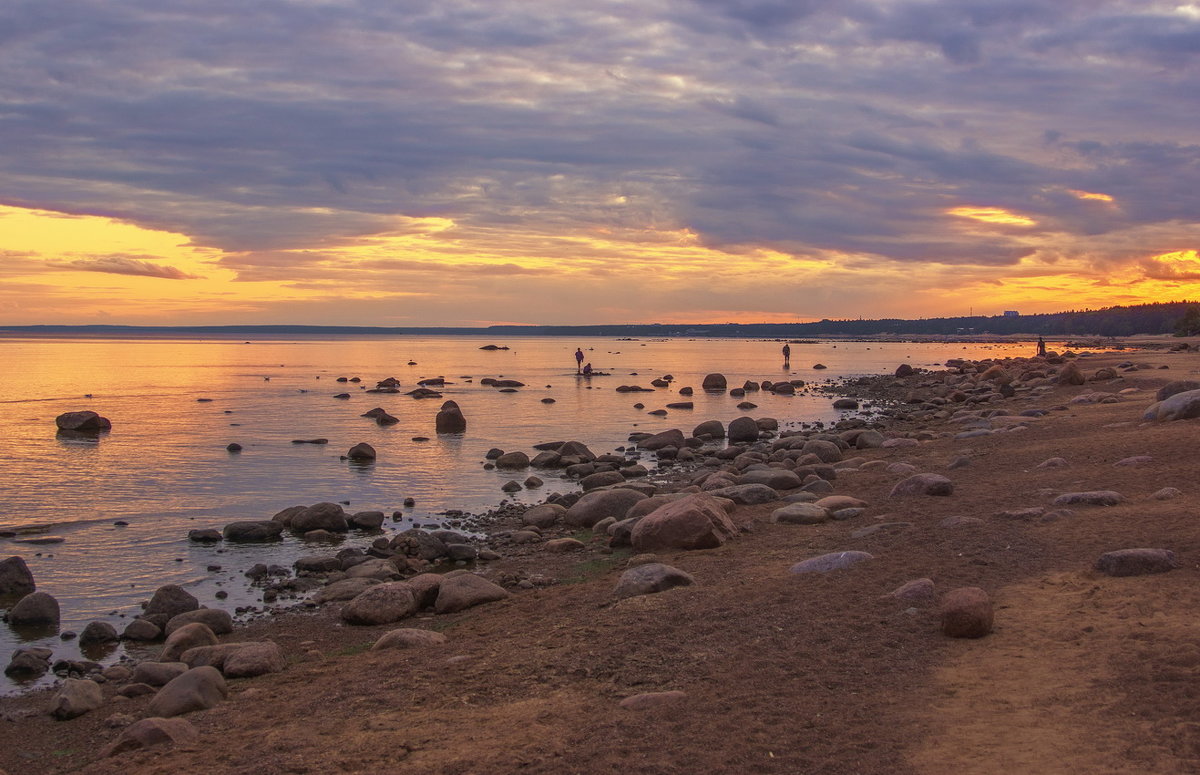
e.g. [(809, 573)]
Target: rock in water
[(362, 452), (35, 608), (170, 600), (966, 612), (450, 419), (85, 421), (98, 632), (15, 577), (714, 382)]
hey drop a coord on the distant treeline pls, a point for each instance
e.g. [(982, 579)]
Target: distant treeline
[(1111, 321), (1163, 318)]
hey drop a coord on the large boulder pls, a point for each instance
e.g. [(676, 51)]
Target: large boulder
[(186, 637), (1071, 375), (321, 516), (747, 494), (775, 478), (253, 530), (36, 608), (713, 428), (743, 429), (450, 419), (220, 622), (169, 601), (649, 578), (599, 504), (381, 604), (15, 577), (345, 589), (1136, 562), (457, 593), (827, 451), (85, 422), (150, 732), (254, 659), (1180, 406), (158, 673), (695, 522), (98, 632), (1176, 387), (543, 516), (75, 698), (362, 452), (513, 461), (714, 382), (198, 689), (670, 438)]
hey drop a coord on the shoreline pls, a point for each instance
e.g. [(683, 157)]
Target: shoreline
[(532, 571)]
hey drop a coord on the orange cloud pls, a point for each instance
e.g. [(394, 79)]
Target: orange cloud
[(996, 215)]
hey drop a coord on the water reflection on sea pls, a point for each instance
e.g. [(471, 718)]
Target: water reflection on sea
[(176, 404)]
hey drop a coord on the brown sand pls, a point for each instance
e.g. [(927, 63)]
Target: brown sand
[(783, 674)]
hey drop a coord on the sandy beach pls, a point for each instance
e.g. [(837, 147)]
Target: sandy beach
[(754, 668)]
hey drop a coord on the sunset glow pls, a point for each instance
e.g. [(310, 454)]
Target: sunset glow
[(456, 166)]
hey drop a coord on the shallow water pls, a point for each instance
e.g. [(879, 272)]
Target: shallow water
[(164, 468)]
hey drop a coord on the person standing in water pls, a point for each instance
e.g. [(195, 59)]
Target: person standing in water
[(1041, 347), (578, 361), (787, 353)]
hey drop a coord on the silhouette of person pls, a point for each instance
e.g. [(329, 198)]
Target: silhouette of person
[(588, 368), (578, 360), (787, 353), (1041, 347)]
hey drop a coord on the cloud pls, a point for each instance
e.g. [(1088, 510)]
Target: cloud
[(292, 136), (125, 265)]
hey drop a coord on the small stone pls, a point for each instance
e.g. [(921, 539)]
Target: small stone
[(560, 545), (966, 612), (1091, 498), (826, 563), (917, 590), (1166, 494)]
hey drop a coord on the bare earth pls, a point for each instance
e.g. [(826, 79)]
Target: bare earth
[(782, 673)]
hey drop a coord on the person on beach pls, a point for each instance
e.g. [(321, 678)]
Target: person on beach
[(1041, 347), (578, 361), (787, 353), (587, 370)]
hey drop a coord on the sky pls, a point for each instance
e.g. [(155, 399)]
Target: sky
[(471, 162)]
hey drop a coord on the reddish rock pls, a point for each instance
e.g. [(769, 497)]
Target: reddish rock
[(695, 522), (922, 484), (966, 612), (150, 732)]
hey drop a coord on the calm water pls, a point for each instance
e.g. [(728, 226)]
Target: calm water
[(164, 468)]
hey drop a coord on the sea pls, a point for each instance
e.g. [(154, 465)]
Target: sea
[(117, 508)]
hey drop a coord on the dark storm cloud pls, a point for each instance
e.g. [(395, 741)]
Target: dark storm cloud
[(806, 126)]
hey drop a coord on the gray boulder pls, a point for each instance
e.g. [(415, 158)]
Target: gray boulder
[(151, 732), (381, 604), (186, 637), (923, 484), (649, 578), (198, 689), (84, 422), (1136, 562), (713, 428), (742, 429), (169, 601), (254, 659), (747, 494), (75, 698), (457, 593), (827, 563), (346, 589), (670, 438), (98, 632), (158, 673), (696, 522), (1180, 406), (775, 478), (253, 530), (800, 514), (220, 622), (409, 638)]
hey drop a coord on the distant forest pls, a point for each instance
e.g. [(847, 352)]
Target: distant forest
[(1181, 317), (1164, 318)]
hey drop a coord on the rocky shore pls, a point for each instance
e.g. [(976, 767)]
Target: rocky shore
[(953, 572)]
